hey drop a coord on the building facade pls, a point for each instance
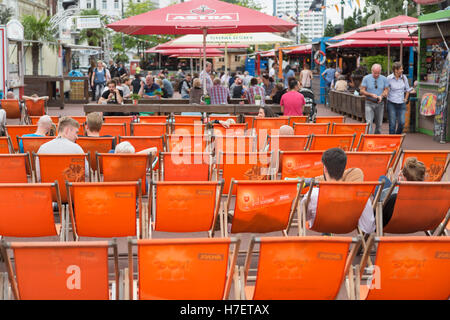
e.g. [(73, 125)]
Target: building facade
[(310, 24), (112, 8)]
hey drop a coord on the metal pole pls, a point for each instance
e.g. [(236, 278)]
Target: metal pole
[(226, 57), (389, 58), (401, 51), (205, 31)]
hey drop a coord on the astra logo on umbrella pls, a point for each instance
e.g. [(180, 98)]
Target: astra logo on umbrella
[(203, 10)]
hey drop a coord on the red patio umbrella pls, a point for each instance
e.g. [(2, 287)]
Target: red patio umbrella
[(187, 51), (201, 17), (369, 43), (306, 48)]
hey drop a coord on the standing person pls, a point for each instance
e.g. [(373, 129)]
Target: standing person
[(136, 83), (232, 79), (126, 87), (328, 75), (196, 92), (273, 71), (113, 69), (246, 79), (397, 98), (292, 102), (279, 91), (121, 70), (306, 77), (185, 86), (205, 76), (255, 90), (99, 79), (375, 88), (288, 72), (90, 73), (219, 94)]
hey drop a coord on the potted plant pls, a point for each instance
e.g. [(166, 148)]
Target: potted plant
[(158, 94), (258, 99), (135, 98)]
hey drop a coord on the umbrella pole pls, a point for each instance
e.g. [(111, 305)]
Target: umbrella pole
[(389, 58), (226, 57), (401, 51), (205, 31), (192, 69)]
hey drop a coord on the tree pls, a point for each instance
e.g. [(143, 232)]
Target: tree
[(353, 22), (329, 30), (393, 8), (6, 14), (37, 30), (303, 38), (94, 37)]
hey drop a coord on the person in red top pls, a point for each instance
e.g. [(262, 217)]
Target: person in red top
[(292, 102)]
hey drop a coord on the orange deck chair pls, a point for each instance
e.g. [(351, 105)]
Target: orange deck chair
[(148, 129), (420, 206), (288, 143), (27, 210), (12, 108), (185, 206), (262, 206), (305, 129), (187, 143), (249, 121), (141, 143), (62, 168), (330, 119), (301, 164), (105, 209), (187, 269), (182, 129), (435, 161), (124, 167), (223, 118), (13, 167), (269, 126), (350, 128), (92, 145), (81, 120), (61, 270), (407, 268), (193, 166), (152, 119), (327, 141), (235, 144), (297, 119), (373, 164), (38, 108), (6, 145), (339, 206), (32, 145), (119, 119), (113, 129), (380, 142), (244, 166), (298, 268), (236, 129), (13, 131), (34, 119), (186, 119)]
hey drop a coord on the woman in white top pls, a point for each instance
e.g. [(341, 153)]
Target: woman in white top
[(397, 97), (306, 77)]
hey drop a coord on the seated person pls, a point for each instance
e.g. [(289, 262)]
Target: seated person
[(278, 92), (341, 84), (164, 91), (94, 123), (44, 126), (334, 161), (35, 98), (413, 170), (112, 96), (149, 88), (196, 92), (266, 112), (286, 130), (218, 93)]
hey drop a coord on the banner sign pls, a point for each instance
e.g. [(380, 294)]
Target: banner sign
[(88, 23)]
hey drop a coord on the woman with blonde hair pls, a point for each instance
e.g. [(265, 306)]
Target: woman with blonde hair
[(196, 91)]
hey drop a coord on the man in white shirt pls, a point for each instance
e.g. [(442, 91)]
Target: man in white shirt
[(205, 77), (334, 162)]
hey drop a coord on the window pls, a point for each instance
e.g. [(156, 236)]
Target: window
[(237, 58), (104, 4), (116, 4), (88, 4)]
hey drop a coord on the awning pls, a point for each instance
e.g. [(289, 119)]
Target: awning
[(370, 44), (303, 49)]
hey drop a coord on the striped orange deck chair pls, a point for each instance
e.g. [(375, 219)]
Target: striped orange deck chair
[(244, 166), (435, 161), (152, 119), (373, 164), (420, 206), (185, 206), (13, 131), (186, 269), (113, 129), (27, 210), (267, 126), (327, 141), (62, 168), (301, 164), (13, 167), (380, 142), (81, 120), (406, 268), (350, 128), (192, 166), (235, 144), (305, 129), (186, 119), (61, 270), (262, 206), (182, 129), (119, 119), (330, 119), (298, 268), (6, 145), (32, 145), (141, 143), (288, 143), (34, 119), (236, 129), (115, 167), (38, 108), (187, 143), (148, 129), (12, 109), (223, 118), (92, 145), (105, 209), (339, 206), (297, 119)]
